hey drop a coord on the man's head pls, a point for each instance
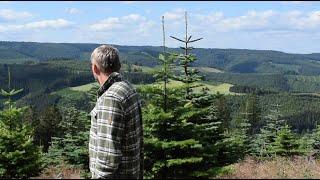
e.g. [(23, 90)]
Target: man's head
[(105, 60)]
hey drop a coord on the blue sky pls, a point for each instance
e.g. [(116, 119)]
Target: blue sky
[(289, 26)]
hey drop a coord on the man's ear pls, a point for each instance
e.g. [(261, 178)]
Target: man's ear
[(95, 69)]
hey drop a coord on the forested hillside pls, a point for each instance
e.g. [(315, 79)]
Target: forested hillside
[(230, 60)]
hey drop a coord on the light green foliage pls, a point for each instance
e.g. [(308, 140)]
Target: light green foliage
[(276, 138), (285, 143), (306, 142), (19, 157), (262, 145)]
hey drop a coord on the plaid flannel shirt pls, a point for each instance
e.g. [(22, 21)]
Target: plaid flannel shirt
[(116, 134)]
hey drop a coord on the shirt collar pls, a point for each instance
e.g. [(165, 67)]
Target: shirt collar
[(113, 77)]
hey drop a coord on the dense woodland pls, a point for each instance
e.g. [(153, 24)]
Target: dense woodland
[(275, 111)]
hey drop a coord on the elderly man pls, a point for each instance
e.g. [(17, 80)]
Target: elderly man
[(116, 134)]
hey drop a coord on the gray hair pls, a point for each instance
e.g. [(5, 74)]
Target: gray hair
[(107, 58)]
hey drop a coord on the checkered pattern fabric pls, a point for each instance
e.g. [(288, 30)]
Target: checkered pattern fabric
[(116, 134)]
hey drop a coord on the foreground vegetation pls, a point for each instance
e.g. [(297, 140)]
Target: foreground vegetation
[(277, 168)]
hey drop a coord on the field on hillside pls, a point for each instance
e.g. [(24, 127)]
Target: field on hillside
[(222, 88), (84, 88)]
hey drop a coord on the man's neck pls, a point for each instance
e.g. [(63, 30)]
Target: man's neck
[(102, 79)]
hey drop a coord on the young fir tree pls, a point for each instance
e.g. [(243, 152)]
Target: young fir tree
[(254, 113), (306, 142), (316, 140), (223, 111), (47, 126), (285, 143), (236, 142), (170, 149), (310, 143), (19, 157), (262, 144), (199, 109), (71, 146), (189, 75)]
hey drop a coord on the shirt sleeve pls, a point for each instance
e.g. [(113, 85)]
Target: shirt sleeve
[(110, 128)]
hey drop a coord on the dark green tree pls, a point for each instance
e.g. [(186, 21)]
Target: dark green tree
[(199, 109), (223, 111), (181, 126), (48, 126), (236, 142), (170, 149), (254, 113)]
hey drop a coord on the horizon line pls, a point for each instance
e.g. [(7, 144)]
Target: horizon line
[(157, 46)]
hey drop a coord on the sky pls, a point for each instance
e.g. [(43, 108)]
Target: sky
[(288, 26)]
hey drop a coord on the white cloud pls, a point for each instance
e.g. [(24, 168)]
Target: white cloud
[(133, 17), (211, 18), (107, 24), (124, 22), (9, 14), (309, 21), (72, 11), (249, 29), (4, 28), (131, 29), (50, 24), (268, 20), (251, 20), (45, 24), (145, 27), (176, 15)]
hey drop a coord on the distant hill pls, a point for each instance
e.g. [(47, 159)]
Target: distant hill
[(228, 60)]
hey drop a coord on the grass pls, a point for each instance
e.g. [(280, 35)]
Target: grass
[(222, 88), (63, 171), (84, 88), (210, 70), (151, 70), (298, 167), (279, 168)]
